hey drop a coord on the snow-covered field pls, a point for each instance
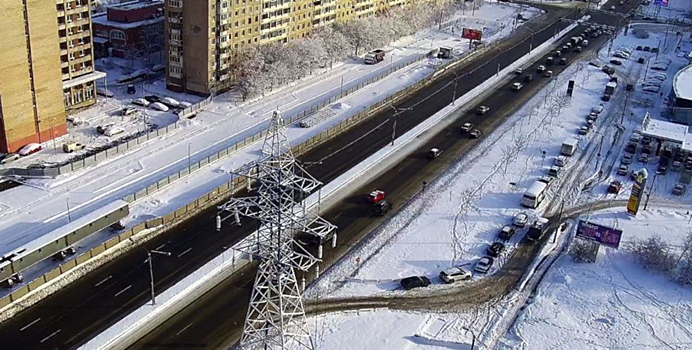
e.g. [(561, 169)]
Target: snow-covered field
[(612, 304)]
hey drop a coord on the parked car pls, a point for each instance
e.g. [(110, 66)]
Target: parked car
[(29, 149), (375, 196), (560, 161), (415, 282), (614, 187), (644, 158), (482, 110), (507, 232), (131, 90), (101, 129), (484, 264), (616, 62), (520, 219), (152, 98), (170, 102), (434, 153), (546, 179), (113, 130), (466, 127), (8, 158), (583, 130), (127, 111), (626, 159), (159, 106), (679, 189), (382, 207), (495, 249), (622, 170), (454, 274), (69, 147), (141, 102), (476, 133), (517, 86)]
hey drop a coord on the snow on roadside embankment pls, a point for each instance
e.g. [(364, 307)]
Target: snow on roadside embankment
[(614, 303)]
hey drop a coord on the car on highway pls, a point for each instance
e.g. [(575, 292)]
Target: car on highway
[(382, 207), (679, 189), (520, 219), (495, 249), (434, 153), (454, 274), (375, 196), (528, 78), (560, 161), (623, 170), (548, 74), (519, 71), (517, 86), (484, 264), (540, 69), (466, 127), (482, 110), (549, 60), (563, 61), (8, 158), (507, 232), (29, 149), (476, 133), (412, 282), (578, 49), (615, 187)]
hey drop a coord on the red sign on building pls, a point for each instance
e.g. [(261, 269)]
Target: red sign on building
[(472, 34)]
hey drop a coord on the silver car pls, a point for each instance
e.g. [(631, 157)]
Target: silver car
[(454, 274)]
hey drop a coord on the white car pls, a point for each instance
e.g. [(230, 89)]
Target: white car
[(651, 88), (484, 264), (140, 102), (517, 86), (620, 54), (482, 110), (159, 106), (454, 274), (170, 102), (185, 104), (466, 127), (113, 130), (659, 66), (520, 219), (561, 161)]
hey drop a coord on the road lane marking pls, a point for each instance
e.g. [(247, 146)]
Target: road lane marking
[(30, 324), (103, 281), (184, 328), (185, 252), (123, 291), (51, 335), (159, 247)]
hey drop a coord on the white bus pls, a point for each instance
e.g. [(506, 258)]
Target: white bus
[(534, 195)]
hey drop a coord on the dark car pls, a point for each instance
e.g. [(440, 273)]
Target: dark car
[(631, 147), (528, 78), (131, 89), (382, 207), (152, 98), (415, 282), (476, 133), (507, 232), (495, 249), (616, 62), (614, 187)]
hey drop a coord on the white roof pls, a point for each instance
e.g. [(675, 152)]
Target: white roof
[(664, 130), (103, 20), (63, 230), (687, 143), (83, 79), (536, 188), (682, 83), (571, 141)]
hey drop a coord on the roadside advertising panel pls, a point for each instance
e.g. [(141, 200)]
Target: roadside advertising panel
[(603, 235)]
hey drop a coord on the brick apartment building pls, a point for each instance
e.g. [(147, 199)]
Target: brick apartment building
[(200, 35), (130, 29), (48, 68)]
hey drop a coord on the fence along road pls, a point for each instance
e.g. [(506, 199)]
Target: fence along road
[(81, 317)]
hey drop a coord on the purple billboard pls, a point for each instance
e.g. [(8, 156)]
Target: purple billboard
[(603, 235)]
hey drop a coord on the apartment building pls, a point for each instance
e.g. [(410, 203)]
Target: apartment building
[(200, 35), (47, 68), (76, 53)]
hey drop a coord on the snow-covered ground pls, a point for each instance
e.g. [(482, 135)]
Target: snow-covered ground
[(611, 304), (677, 10)]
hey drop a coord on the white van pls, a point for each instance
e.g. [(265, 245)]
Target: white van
[(534, 195)]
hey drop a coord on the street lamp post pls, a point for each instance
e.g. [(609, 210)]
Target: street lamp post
[(189, 169), (151, 271), (454, 95)]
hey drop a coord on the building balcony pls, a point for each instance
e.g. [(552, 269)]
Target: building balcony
[(85, 58)]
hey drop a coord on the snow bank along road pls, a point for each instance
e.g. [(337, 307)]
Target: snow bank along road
[(201, 325), (99, 299)]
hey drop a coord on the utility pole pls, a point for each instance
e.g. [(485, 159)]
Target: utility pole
[(651, 191), (454, 95), (397, 111), (151, 271), (622, 118)]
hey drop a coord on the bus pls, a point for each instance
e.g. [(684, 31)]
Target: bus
[(534, 195)]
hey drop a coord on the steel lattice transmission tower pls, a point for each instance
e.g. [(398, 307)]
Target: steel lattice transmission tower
[(276, 317)]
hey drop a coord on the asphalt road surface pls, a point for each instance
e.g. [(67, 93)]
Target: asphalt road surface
[(215, 320), (73, 315)]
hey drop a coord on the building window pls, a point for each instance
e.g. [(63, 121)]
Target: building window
[(117, 34)]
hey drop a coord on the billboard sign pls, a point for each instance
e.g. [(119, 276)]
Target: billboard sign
[(603, 235), (663, 3), (637, 191), (472, 34)]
